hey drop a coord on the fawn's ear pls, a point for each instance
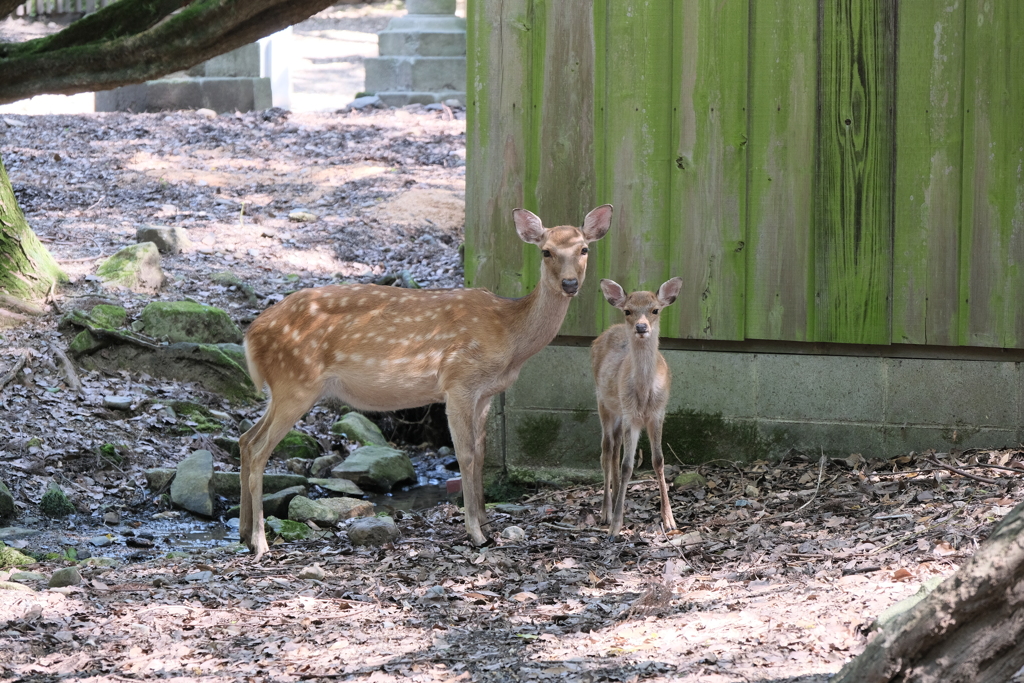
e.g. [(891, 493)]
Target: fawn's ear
[(614, 292), (528, 226), (669, 291), (597, 222)]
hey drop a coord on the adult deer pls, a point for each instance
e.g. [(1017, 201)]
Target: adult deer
[(633, 382), (383, 348)]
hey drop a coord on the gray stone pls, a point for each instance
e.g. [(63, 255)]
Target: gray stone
[(444, 76), (168, 240), (345, 487), (7, 507), (367, 101), (430, 6), (188, 321), (65, 576), (23, 577), (192, 486), (373, 531), (376, 468), (513, 533), (301, 216), (347, 508), (243, 62), (302, 509), (14, 586), (222, 95), (11, 533), (117, 402), (136, 268), (276, 504), (101, 541), (228, 484), (321, 467), (159, 478), (313, 572), (360, 429)]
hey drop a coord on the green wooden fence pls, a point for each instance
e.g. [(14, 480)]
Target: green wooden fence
[(815, 170)]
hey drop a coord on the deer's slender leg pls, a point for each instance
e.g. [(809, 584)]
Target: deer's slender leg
[(631, 437), (654, 426), (266, 434), (462, 418)]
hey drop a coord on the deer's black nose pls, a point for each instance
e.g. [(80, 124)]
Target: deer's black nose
[(641, 328), (570, 286)]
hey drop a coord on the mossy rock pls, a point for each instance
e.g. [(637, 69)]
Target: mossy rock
[(378, 468), (286, 529), (188, 321), (193, 412), (689, 480), (9, 557), (297, 444), (7, 507), (360, 429), (105, 316), (136, 267), (219, 368), (85, 342), (55, 503)]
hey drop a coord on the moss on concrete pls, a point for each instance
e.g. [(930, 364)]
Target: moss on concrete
[(537, 436), (696, 437)]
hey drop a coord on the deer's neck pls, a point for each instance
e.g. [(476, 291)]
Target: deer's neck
[(535, 320), (643, 353)]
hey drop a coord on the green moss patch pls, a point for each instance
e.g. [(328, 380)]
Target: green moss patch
[(188, 321), (537, 436), (297, 444), (694, 437)]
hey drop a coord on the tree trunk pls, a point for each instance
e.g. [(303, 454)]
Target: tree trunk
[(132, 41), (969, 629), (27, 270)]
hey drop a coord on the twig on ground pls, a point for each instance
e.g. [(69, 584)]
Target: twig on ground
[(18, 365), (984, 480), (69, 370)]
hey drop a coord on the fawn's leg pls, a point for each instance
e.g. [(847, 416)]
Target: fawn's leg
[(462, 420), (631, 436), (658, 461), (610, 449)]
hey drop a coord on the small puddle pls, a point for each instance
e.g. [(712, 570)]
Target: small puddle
[(413, 498)]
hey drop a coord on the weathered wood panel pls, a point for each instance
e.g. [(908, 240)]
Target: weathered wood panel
[(497, 142), (992, 259), (929, 149), (709, 168), (563, 174), (636, 134), (854, 161), (783, 110)]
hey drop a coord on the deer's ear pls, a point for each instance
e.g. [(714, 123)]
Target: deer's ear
[(597, 223), (669, 291), (613, 292), (528, 226)]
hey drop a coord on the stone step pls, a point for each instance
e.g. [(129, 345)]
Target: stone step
[(424, 74)]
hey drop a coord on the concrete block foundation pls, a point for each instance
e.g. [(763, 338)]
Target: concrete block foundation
[(744, 401)]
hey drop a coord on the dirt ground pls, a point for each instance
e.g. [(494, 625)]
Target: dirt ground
[(776, 573)]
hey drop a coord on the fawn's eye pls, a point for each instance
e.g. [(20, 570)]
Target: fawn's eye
[(655, 311), (547, 253), (584, 251), (628, 312)]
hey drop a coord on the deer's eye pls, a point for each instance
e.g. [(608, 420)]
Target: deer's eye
[(655, 311), (628, 312), (547, 253), (584, 250)]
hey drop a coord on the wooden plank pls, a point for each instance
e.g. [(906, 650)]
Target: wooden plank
[(929, 143), (783, 111), (709, 169), (637, 138), (855, 149), (561, 180), (992, 244), (497, 133)]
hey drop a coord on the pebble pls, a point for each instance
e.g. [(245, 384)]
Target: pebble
[(101, 541), (513, 533), (313, 571)]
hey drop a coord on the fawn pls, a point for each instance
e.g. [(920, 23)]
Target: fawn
[(633, 383), (384, 348)]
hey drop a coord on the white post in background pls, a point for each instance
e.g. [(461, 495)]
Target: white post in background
[(276, 56)]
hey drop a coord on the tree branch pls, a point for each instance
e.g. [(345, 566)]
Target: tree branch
[(203, 29)]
